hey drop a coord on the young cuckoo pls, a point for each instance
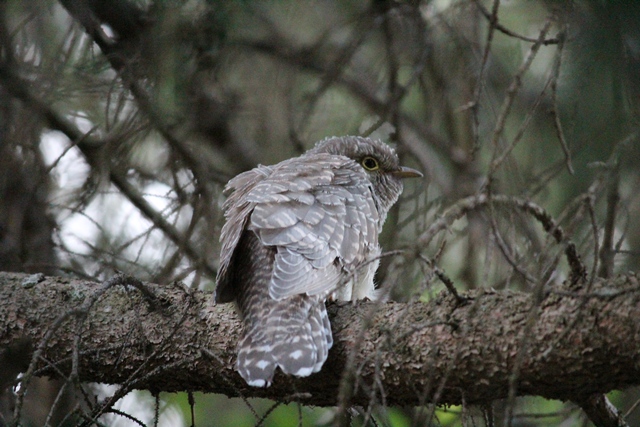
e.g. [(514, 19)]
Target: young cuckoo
[(296, 233)]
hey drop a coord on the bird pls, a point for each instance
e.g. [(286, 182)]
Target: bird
[(299, 232)]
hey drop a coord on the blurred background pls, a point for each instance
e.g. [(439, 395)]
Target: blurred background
[(121, 121)]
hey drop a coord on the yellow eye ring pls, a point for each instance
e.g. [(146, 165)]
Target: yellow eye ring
[(370, 163)]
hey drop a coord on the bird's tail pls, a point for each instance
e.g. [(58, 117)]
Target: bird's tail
[(293, 333)]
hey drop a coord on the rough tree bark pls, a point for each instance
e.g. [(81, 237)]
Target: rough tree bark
[(167, 338)]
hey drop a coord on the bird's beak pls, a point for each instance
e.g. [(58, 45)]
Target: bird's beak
[(406, 172)]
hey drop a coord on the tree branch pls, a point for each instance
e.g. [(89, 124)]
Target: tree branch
[(90, 147), (168, 338)]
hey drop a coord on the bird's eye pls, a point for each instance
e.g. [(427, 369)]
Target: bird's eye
[(370, 163)]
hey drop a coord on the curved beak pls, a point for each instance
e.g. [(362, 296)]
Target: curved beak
[(406, 172)]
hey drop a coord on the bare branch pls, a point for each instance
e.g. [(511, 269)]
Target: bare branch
[(90, 148), (462, 207)]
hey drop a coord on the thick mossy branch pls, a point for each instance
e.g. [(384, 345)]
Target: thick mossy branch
[(167, 338)]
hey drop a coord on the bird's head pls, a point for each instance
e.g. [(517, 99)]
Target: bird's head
[(378, 160)]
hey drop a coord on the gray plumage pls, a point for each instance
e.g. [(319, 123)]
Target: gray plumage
[(295, 233)]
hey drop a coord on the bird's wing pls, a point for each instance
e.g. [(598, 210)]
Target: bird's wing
[(319, 213), (237, 210)]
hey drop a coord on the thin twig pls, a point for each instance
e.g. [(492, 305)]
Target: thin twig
[(554, 101), (493, 19), (512, 91), (613, 198), (494, 22)]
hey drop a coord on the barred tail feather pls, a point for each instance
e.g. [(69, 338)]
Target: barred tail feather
[(255, 363), (321, 333), (296, 336)]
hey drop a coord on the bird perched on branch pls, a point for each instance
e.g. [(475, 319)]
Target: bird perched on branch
[(296, 233)]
